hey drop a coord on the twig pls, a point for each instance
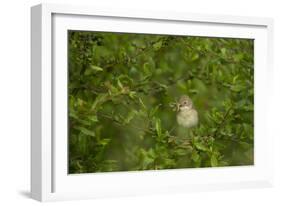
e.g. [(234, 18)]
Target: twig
[(126, 60), (213, 54), (222, 122), (120, 124), (169, 84), (173, 128)]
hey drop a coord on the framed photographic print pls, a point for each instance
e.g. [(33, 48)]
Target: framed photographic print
[(137, 102)]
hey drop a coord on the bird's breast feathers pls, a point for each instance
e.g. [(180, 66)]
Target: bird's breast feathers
[(187, 118)]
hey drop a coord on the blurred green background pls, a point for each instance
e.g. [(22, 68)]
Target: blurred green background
[(122, 91)]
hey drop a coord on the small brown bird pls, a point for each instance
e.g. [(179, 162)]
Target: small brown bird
[(187, 116)]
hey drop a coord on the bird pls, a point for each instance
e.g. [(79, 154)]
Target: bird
[(187, 115)]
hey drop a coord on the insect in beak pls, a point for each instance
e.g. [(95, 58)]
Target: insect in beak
[(178, 107)]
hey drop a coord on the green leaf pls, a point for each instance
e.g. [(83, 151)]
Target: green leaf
[(93, 118), (195, 156), (132, 94), (245, 145), (130, 116), (153, 111), (201, 146), (235, 78), (101, 98), (194, 57), (157, 45), (104, 142), (181, 152), (85, 131), (92, 69), (79, 165), (223, 51), (120, 85), (73, 115), (147, 69), (214, 161), (238, 57), (146, 157), (193, 91), (84, 122), (237, 88), (96, 68), (142, 104), (158, 127)]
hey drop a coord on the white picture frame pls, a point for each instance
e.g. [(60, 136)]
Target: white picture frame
[(49, 178)]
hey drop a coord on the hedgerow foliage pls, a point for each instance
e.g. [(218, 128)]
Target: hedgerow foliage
[(121, 93)]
